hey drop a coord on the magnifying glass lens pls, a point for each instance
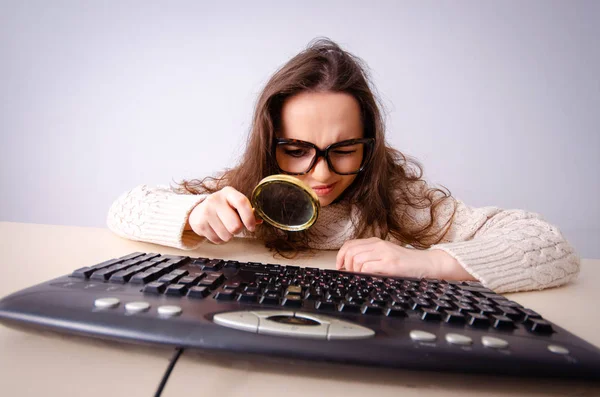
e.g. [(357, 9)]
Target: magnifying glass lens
[(286, 203)]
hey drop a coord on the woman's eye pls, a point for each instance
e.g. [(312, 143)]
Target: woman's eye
[(343, 152), (295, 152)]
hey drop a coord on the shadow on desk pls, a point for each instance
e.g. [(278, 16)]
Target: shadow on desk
[(210, 373), (319, 378)]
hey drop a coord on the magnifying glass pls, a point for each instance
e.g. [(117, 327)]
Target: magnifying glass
[(285, 202)]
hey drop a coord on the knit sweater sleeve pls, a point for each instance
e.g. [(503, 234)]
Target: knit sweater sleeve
[(508, 250), (155, 215)]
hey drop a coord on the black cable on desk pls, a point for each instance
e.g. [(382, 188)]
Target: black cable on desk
[(163, 382)]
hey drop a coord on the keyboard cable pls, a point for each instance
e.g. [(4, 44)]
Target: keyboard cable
[(165, 377)]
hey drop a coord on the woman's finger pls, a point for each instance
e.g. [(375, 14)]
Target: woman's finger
[(217, 226), (229, 218), (360, 258), (353, 251), (341, 255), (242, 205), (211, 236), (377, 267)]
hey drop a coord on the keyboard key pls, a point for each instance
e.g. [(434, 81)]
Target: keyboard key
[(253, 267), (327, 305), (371, 309), (464, 299), (171, 265), (475, 289), (271, 289), (293, 290), (213, 264), (104, 274), (144, 278), (83, 273), (172, 277), (169, 310), (142, 267), (175, 257), (106, 303), (422, 336), (485, 309), (400, 301), (232, 285), (270, 299), (155, 288), (209, 282), (529, 314), (292, 301), (556, 349), (509, 304), (292, 269), (421, 294), (395, 311), (455, 317), (356, 298), (464, 307), (430, 315), (478, 320), (218, 276), (231, 265), (442, 305), (483, 301), (509, 312), (135, 255), (228, 295), (419, 303), (108, 263), (251, 297), (458, 339), (176, 290), (494, 343), (164, 268), (190, 281), (336, 295), (349, 307), (198, 292), (539, 326), (137, 307), (313, 294), (502, 322), (122, 276), (199, 261)]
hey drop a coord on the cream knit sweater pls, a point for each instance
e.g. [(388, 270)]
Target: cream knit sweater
[(506, 250)]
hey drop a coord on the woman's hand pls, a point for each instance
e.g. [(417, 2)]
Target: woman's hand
[(222, 215), (374, 255)]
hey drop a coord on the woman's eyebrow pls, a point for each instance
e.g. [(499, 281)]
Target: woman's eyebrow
[(312, 143)]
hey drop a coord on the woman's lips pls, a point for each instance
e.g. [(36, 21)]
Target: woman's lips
[(323, 190)]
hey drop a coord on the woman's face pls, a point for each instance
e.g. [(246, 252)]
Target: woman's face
[(322, 118)]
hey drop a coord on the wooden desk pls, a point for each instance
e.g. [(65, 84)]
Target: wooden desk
[(39, 364)]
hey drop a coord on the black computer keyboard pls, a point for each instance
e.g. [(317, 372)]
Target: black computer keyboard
[(303, 313)]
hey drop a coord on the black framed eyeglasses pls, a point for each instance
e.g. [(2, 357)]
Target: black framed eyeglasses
[(296, 157)]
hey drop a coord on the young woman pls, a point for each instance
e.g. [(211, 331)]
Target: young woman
[(317, 119)]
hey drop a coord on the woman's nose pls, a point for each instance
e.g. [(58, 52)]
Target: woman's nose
[(321, 170)]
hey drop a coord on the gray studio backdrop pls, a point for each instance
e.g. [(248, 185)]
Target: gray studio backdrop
[(499, 100)]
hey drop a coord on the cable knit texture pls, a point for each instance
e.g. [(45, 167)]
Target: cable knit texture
[(506, 250)]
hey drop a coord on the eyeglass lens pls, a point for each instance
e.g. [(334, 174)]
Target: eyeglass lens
[(297, 158)]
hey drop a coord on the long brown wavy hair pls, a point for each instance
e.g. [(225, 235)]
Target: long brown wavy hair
[(382, 192)]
